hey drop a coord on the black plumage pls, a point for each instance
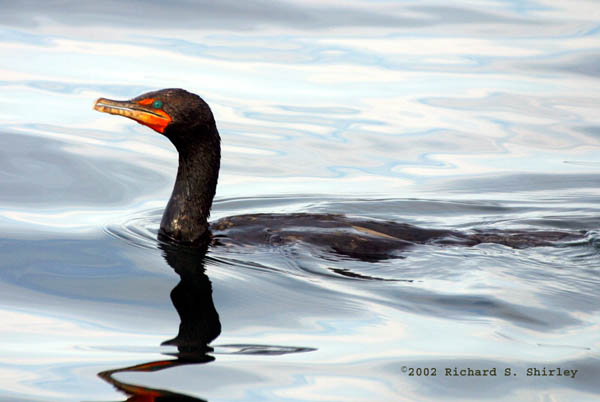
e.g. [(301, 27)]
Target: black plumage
[(187, 121)]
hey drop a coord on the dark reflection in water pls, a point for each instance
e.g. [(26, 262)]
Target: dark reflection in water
[(199, 326), (138, 393), (192, 298)]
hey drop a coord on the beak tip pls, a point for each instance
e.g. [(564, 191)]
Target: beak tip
[(98, 106)]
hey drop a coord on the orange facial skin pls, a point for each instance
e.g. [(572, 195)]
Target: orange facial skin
[(146, 102), (140, 111)]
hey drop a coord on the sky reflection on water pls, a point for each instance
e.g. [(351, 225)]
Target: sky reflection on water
[(479, 115)]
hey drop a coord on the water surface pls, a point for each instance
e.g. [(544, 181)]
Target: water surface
[(475, 116)]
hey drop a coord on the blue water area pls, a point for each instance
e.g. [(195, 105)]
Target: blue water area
[(475, 118)]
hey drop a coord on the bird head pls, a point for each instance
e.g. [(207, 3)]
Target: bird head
[(175, 113)]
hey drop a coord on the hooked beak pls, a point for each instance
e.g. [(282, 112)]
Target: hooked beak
[(156, 119)]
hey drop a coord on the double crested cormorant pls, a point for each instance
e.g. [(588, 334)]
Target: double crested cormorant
[(187, 121)]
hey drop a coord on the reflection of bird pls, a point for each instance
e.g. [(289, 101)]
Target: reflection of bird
[(137, 393), (200, 324), (192, 298), (186, 120)]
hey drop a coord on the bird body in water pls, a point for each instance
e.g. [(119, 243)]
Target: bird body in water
[(187, 121)]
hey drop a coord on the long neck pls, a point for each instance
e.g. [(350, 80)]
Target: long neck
[(186, 217)]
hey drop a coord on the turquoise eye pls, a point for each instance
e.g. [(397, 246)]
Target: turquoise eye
[(157, 104)]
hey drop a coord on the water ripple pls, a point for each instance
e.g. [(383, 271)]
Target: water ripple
[(139, 230)]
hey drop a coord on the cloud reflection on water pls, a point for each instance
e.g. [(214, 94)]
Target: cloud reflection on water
[(254, 14)]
